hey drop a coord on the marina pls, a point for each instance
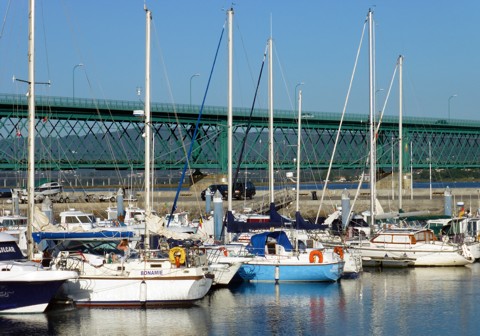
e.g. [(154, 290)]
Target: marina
[(328, 236)]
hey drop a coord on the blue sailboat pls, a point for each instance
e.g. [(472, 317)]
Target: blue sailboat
[(276, 260)]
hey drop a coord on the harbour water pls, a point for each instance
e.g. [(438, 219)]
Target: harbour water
[(408, 301)]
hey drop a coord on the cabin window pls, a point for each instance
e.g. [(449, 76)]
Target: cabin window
[(71, 220), (430, 236), (420, 236), (397, 239), (383, 239), (85, 219), (16, 222)]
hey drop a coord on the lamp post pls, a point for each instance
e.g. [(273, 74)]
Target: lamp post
[(194, 75), (450, 98), (375, 104), (73, 79), (296, 86)]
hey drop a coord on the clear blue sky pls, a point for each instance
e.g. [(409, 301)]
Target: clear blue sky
[(315, 43)]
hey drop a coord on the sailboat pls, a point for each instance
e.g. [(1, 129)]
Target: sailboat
[(406, 246), (275, 258), (119, 275), (26, 287)]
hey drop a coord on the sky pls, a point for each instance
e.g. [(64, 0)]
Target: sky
[(315, 43)]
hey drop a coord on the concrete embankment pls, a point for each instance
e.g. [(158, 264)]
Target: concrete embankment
[(190, 201)]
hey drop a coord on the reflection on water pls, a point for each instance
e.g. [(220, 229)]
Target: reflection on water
[(421, 301), (168, 321), (279, 309)]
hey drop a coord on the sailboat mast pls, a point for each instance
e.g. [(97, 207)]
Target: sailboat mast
[(31, 128), (230, 108), (270, 120), (148, 207), (372, 128), (400, 131), (299, 140)]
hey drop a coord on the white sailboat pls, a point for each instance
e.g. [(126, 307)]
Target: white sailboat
[(145, 278), (401, 247)]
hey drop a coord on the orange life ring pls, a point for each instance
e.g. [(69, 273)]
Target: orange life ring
[(225, 251), (338, 250), (316, 256)]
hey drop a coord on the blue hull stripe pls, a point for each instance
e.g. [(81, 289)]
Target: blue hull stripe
[(20, 294)]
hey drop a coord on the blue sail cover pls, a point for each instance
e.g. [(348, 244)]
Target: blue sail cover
[(258, 242), (276, 221), (97, 235), (302, 224)]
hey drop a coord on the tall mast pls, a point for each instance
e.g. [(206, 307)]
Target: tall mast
[(230, 108), (372, 128), (400, 131), (299, 141), (31, 128), (148, 207), (270, 120)]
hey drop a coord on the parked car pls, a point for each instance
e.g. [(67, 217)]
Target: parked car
[(63, 198), (240, 191), (223, 188), (110, 197), (244, 190)]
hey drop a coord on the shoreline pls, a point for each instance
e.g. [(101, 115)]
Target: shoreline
[(191, 202)]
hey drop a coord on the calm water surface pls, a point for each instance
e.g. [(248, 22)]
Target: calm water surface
[(414, 301)]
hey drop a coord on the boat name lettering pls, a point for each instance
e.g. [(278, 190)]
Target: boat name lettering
[(156, 272), (7, 249), (6, 294)]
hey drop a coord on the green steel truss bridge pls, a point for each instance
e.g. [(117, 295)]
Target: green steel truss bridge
[(105, 134)]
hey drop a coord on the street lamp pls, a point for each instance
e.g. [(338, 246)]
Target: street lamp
[(450, 98), (375, 105), (73, 78), (296, 86), (194, 75)]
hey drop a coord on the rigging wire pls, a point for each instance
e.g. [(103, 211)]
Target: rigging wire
[(341, 122), (249, 124), (5, 18), (174, 206)]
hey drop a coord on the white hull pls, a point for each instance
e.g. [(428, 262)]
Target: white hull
[(129, 291), (134, 282), (474, 249), (353, 263), (226, 268), (434, 255), (410, 247)]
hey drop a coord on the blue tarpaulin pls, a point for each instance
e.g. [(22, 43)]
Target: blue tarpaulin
[(258, 242)]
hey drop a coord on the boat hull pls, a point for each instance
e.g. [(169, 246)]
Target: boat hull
[(415, 257), (474, 249), (136, 291), (225, 272), (272, 272), (29, 292)]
